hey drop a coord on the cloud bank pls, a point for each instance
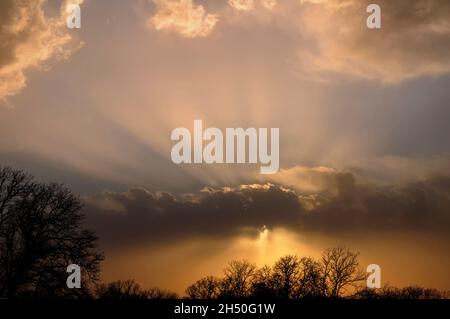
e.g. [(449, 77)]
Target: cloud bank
[(339, 205)]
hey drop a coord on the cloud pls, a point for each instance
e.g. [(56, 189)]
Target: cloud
[(334, 41), (309, 179), (141, 216), (385, 170), (183, 17), (241, 5), (418, 206), (414, 40), (399, 170), (269, 4), (29, 39), (248, 5)]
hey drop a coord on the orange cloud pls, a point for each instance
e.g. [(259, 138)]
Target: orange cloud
[(28, 39), (269, 4), (309, 179), (183, 17), (248, 5), (241, 5)]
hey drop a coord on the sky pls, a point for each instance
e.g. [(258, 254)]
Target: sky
[(363, 118)]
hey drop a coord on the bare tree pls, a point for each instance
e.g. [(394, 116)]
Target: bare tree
[(121, 289), (339, 271), (309, 279), (411, 292), (158, 293), (130, 290), (263, 283), (237, 280), (40, 235), (14, 184), (205, 288), (293, 278), (286, 275)]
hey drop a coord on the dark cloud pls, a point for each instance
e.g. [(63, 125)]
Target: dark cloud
[(418, 206), (140, 216)]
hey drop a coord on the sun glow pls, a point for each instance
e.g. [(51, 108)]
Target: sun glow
[(263, 234)]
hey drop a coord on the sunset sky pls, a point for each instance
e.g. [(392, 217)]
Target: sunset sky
[(363, 117)]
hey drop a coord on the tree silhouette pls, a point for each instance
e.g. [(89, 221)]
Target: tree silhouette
[(121, 289), (264, 283), (290, 277), (309, 284), (411, 292), (158, 293), (237, 280), (339, 271), (286, 276), (40, 235), (204, 288), (130, 290)]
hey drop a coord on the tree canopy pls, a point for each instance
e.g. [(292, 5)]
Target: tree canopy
[(41, 234)]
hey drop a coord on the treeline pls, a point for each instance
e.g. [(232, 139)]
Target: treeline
[(335, 275), (290, 277), (129, 289)]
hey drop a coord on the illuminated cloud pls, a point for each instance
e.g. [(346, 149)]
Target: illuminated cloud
[(385, 170), (308, 179), (269, 4), (30, 39), (241, 5), (414, 40), (183, 17), (248, 5)]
